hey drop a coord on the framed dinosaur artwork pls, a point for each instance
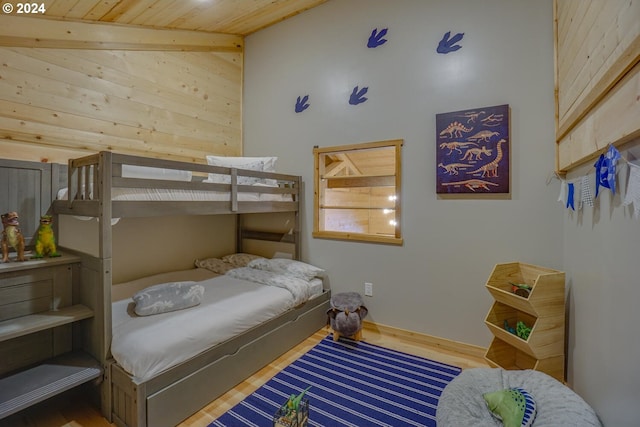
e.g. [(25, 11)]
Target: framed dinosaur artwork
[(472, 151)]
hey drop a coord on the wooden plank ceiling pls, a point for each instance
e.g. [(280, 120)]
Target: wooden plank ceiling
[(238, 17)]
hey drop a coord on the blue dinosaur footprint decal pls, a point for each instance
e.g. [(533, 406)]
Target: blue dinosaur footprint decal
[(301, 104), (377, 38), (357, 96), (447, 44)]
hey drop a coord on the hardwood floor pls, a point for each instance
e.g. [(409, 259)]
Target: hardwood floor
[(72, 409)]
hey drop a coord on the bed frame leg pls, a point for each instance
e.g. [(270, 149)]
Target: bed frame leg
[(105, 393)]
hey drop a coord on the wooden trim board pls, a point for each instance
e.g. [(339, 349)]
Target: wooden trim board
[(613, 121), (18, 31), (427, 340)]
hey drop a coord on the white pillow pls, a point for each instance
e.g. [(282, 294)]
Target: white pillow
[(235, 162), (125, 290), (167, 297), (242, 180), (268, 164)]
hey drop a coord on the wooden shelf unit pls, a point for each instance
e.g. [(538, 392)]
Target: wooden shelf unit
[(44, 380), (543, 311), (40, 332), (31, 323)]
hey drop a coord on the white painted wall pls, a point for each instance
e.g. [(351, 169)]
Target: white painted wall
[(433, 284), (601, 247), (163, 247)]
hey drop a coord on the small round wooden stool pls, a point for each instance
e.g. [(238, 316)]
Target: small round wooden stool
[(346, 314)]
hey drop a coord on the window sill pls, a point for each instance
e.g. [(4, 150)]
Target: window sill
[(358, 237)]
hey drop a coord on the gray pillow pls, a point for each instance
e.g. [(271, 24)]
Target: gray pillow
[(167, 297)]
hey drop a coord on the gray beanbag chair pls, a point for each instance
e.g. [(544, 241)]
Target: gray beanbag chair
[(462, 403)]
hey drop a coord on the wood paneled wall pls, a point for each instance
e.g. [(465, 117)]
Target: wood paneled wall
[(58, 103), (597, 77), (360, 210)]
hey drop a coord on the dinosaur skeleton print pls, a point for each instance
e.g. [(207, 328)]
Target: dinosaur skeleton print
[(472, 151)]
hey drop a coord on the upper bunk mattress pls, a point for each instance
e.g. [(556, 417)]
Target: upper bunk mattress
[(155, 194), (147, 345)]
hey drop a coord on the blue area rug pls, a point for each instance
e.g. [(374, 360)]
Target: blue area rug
[(353, 383)]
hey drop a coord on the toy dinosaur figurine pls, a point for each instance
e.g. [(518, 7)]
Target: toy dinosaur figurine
[(45, 240), (12, 236), (294, 412), (522, 330), (293, 403)]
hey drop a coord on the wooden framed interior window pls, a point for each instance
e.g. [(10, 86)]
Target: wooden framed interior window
[(357, 192)]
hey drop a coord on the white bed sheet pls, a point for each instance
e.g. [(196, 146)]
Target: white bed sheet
[(154, 194), (317, 287), (146, 346)]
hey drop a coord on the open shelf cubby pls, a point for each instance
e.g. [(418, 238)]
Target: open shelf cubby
[(547, 292), (505, 356), (543, 311), (43, 322), (500, 313)]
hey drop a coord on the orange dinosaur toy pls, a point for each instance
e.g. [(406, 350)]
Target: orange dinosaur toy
[(12, 236)]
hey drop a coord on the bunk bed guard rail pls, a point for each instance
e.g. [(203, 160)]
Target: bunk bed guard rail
[(94, 179)]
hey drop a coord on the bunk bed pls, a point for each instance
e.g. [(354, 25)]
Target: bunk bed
[(102, 186)]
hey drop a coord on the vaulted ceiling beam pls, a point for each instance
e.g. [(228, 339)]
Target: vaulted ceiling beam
[(18, 31)]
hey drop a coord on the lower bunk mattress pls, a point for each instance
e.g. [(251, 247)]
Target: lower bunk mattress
[(147, 345)]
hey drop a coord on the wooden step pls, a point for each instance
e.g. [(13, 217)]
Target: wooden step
[(19, 326), (45, 380)]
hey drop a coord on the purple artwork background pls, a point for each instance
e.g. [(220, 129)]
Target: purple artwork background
[(472, 151)]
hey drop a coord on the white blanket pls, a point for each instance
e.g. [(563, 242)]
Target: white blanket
[(146, 346), (300, 289), (160, 194)]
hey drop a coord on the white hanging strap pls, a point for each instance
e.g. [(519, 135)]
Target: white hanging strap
[(562, 197), (633, 190), (586, 193)]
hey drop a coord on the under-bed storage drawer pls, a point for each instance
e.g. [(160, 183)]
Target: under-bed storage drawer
[(204, 385), (179, 392)]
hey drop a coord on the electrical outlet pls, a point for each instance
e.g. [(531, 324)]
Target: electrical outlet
[(368, 289)]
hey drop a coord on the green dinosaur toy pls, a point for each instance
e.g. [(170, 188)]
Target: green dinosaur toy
[(45, 240), (294, 401), (293, 412), (522, 330)]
